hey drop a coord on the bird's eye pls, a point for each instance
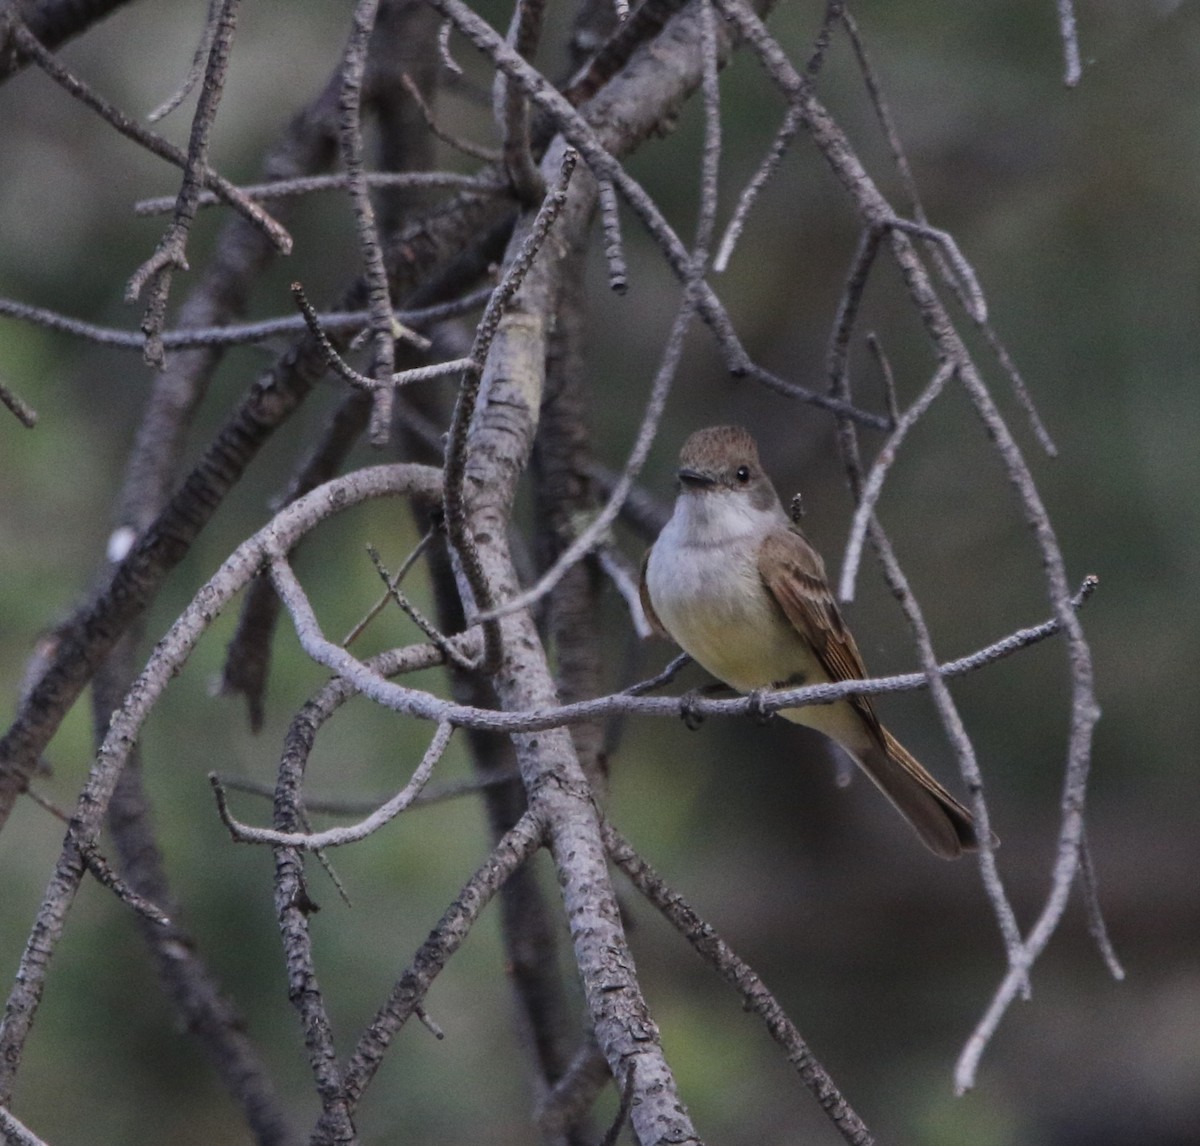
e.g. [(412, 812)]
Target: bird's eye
[(743, 474)]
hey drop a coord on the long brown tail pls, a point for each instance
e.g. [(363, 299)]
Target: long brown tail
[(945, 826)]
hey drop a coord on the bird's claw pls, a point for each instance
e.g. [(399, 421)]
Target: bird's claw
[(691, 715), (757, 704)]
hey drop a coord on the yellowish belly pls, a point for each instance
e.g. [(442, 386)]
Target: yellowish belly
[(720, 613)]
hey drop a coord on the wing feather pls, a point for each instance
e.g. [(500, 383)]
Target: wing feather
[(794, 575), (647, 604)]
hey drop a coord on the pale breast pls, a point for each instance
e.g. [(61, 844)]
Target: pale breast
[(712, 601)]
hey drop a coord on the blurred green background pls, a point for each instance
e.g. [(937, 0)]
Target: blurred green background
[(1079, 211)]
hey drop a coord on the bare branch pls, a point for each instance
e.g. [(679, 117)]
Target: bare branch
[(105, 875), (29, 44), (276, 538), (1072, 70), (171, 253), (971, 298), (487, 154), (1096, 924), (233, 334), (625, 578), (447, 59), (517, 846), (392, 583), (351, 806), (618, 272), (338, 837), (310, 184), (196, 69), (417, 617), (468, 395), (369, 383), (21, 410), (379, 302), (971, 291), (16, 1133), (747, 199), (889, 379), (865, 510), (512, 108), (715, 951), (573, 1095), (598, 528)]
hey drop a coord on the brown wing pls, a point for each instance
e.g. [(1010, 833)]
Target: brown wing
[(647, 607), (794, 575)]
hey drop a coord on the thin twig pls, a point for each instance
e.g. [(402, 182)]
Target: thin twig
[(716, 952), (849, 303), (892, 135), (1091, 901), (311, 184), (195, 70), (468, 395), (349, 806), (574, 1094), (428, 1023), (1021, 391), (614, 248), (153, 143), (865, 510), (513, 850), (336, 362), (99, 867), (240, 333), (598, 529), (21, 410), (1072, 69), (170, 254), (971, 291), (749, 196), (622, 1116), (889, 379), (379, 300), (443, 40), (834, 405), (668, 674), (393, 583), (417, 617), (337, 837), (625, 578), (372, 384), (512, 108), (475, 150)]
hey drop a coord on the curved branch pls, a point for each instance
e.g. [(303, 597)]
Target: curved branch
[(277, 537)]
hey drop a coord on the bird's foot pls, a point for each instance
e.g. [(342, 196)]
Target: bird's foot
[(758, 708), (692, 716)]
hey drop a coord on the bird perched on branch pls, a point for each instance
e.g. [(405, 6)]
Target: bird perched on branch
[(735, 583)]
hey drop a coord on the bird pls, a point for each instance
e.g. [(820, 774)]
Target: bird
[(735, 583)]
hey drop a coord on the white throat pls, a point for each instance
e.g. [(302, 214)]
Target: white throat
[(709, 518)]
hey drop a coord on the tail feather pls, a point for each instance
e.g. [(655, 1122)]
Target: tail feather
[(945, 826)]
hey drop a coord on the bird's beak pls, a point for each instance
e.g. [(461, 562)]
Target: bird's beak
[(695, 479)]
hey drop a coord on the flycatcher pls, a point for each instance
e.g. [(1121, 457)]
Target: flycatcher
[(736, 585)]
